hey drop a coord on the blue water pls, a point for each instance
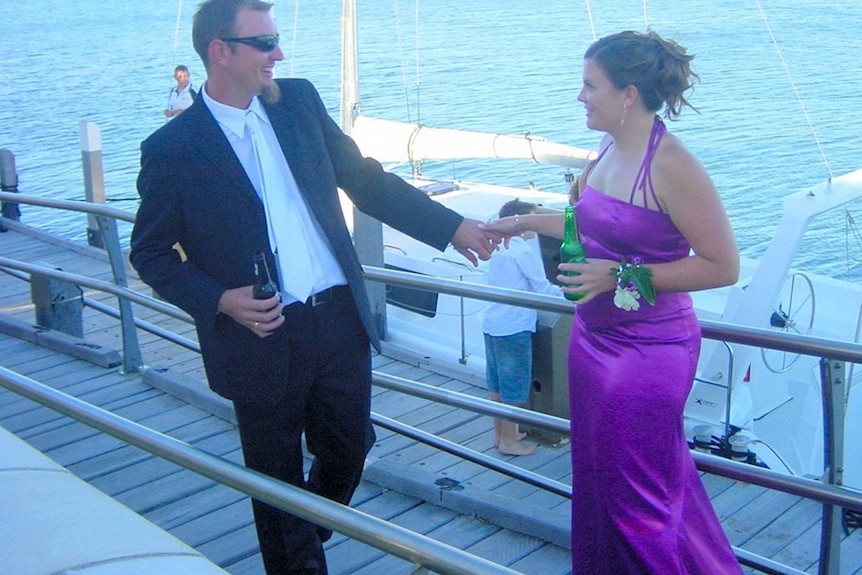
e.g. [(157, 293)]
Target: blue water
[(509, 67)]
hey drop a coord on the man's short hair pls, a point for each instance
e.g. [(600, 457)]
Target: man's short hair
[(216, 18)]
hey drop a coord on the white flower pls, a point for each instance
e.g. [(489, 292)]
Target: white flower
[(633, 281), (627, 300)]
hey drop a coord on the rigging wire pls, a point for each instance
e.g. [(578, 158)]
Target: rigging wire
[(795, 89), (850, 225), (177, 27), (293, 39), (400, 38), (418, 83), (646, 20), (592, 22)]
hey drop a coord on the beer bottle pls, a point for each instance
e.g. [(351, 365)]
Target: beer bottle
[(572, 250), (264, 286)]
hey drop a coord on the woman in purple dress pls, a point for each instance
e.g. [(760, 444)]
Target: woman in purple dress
[(653, 228)]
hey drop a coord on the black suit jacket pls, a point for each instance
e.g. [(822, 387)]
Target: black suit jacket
[(194, 191)]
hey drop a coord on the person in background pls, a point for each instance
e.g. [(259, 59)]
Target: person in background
[(252, 160), (182, 95), (509, 329), (653, 228)]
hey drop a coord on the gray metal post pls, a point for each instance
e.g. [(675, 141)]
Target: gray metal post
[(94, 181), (368, 240), (833, 385), (8, 183), (367, 232), (132, 360), (59, 304)]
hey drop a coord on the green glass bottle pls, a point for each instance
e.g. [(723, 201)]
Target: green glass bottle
[(572, 250)]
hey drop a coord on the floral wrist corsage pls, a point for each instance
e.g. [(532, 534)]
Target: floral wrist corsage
[(633, 281)]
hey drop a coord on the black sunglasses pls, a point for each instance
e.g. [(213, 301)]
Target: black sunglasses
[(264, 42)]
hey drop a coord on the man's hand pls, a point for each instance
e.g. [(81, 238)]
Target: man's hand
[(472, 241), (262, 316)]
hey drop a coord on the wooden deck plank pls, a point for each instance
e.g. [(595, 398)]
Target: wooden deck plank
[(784, 530), (354, 556), (237, 545), (506, 547), (748, 521), (424, 519), (126, 455), (548, 560), (64, 431), (148, 483), (211, 524), (851, 551), (164, 421)]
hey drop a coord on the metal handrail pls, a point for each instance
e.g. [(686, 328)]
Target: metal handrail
[(771, 479), (418, 549), (99, 285), (711, 329), (740, 334), (73, 206)]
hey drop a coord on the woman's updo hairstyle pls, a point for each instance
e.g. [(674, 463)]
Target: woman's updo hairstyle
[(658, 68)]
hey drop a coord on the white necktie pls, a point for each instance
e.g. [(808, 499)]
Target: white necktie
[(286, 235)]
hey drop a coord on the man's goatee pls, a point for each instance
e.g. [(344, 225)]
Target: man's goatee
[(271, 93)]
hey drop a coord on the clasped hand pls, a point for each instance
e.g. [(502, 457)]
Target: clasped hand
[(473, 241)]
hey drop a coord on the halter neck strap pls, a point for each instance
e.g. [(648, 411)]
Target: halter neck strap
[(643, 180)]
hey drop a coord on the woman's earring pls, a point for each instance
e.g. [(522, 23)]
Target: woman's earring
[(623, 118)]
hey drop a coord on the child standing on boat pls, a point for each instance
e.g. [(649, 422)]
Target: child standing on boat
[(509, 329)]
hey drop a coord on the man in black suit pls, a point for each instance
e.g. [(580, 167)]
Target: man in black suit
[(290, 364)]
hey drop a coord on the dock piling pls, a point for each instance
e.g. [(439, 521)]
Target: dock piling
[(94, 180), (8, 183)]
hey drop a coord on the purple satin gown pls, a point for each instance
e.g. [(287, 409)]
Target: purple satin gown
[(639, 506)]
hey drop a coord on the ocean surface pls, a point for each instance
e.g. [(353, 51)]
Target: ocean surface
[(772, 119)]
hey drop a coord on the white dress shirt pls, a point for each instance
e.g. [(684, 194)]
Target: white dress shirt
[(519, 267), (327, 271)]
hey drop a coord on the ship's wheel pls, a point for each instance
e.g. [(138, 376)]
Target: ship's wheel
[(794, 313)]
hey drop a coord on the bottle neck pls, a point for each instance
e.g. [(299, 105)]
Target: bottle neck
[(571, 225), (261, 269)]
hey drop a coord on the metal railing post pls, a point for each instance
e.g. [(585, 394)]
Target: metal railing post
[(132, 360), (8, 183), (833, 387)]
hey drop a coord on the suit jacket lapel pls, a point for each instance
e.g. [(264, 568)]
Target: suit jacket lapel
[(207, 137), (296, 152)]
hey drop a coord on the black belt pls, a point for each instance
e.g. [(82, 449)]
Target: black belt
[(323, 296)]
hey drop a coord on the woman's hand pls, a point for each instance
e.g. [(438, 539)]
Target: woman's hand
[(593, 278), (550, 225), (504, 228)]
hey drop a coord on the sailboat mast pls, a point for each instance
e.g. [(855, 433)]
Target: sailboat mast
[(349, 66), (367, 232)]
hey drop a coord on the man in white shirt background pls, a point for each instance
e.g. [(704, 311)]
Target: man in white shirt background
[(182, 95)]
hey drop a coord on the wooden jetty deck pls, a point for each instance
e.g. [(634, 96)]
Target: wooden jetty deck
[(407, 483)]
